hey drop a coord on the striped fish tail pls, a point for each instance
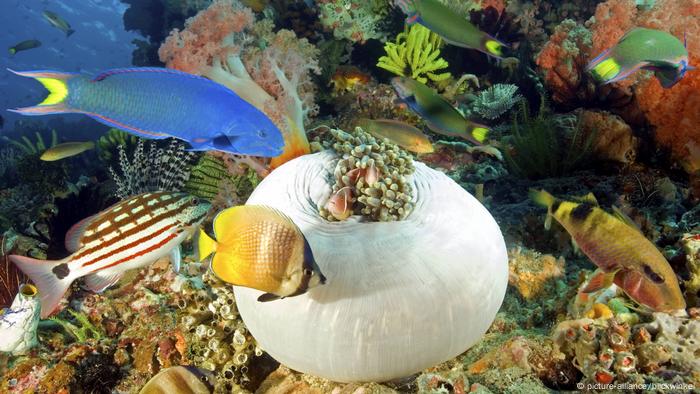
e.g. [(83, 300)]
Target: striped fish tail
[(51, 277), (57, 85), (543, 198)]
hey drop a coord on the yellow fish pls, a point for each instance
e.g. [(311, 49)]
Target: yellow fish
[(261, 248), (66, 149), (623, 254), (400, 133)]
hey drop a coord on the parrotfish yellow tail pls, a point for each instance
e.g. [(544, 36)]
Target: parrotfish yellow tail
[(57, 85), (452, 27), (642, 48), (544, 199)]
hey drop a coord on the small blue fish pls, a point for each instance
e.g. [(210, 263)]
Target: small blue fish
[(158, 103)]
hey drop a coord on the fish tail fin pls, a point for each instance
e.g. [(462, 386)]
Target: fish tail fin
[(57, 85), (409, 8), (493, 46), (204, 246), (480, 132), (295, 144), (604, 67), (12, 51), (543, 198), (51, 277)]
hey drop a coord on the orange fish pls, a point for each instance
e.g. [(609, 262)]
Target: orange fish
[(261, 248), (346, 78), (623, 254)]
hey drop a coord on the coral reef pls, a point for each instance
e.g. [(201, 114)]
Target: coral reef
[(613, 138), (354, 21), (28, 147), (20, 321), (530, 271), (415, 54), (108, 143), (374, 174), (211, 176), (691, 248)]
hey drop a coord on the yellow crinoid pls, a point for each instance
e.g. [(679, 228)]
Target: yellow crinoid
[(415, 54)]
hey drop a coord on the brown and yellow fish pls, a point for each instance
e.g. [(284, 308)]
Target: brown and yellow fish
[(400, 133), (346, 78), (261, 248), (622, 253)]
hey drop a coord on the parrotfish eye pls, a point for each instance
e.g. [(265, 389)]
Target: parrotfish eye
[(651, 274)]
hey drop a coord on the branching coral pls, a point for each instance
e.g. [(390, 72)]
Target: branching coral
[(223, 43), (29, 147), (114, 137), (415, 54), (210, 175), (356, 21)]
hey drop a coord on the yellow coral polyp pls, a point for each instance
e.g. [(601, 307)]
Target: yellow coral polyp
[(415, 54), (599, 311)]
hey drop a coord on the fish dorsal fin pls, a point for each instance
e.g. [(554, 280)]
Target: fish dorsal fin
[(131, 70), (74, 236), (617, 212), (233, 221), (588, 198)]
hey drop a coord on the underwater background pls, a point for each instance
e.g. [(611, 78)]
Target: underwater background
[(443, 196)]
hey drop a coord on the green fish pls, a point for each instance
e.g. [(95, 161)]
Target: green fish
[(24, 45), (56, 21), (439, 115), (646, 49), (66, 149), (449, 25)]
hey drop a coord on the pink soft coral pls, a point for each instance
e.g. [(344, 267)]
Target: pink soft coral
[(222, 43)]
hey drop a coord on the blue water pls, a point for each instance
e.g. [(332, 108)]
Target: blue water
[(99, 42)]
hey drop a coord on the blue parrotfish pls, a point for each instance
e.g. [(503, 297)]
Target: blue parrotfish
[(647, 49), (452, 27), (158, 103), (128, 235)]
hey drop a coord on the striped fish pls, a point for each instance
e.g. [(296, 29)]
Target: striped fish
[(131, 234)]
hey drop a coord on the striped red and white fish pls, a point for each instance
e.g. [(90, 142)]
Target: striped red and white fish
[(131, 234)]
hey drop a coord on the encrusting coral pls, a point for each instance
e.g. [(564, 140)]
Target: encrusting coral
[(415, 54), (530, 272), (374, 174)]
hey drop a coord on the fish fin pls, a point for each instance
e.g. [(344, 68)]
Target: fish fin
[(599, 280), (129, 70), (479, 132), (409, 8), (623, 217), (129, 129), (51, 277), (74, 235), (543, 198), (204, 245), (69, 32), (267, 297), (589, 198), (624, 74), (176, 258), (56, 83), (607, 70), (574, 244), (598, 59), (99, 281)]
